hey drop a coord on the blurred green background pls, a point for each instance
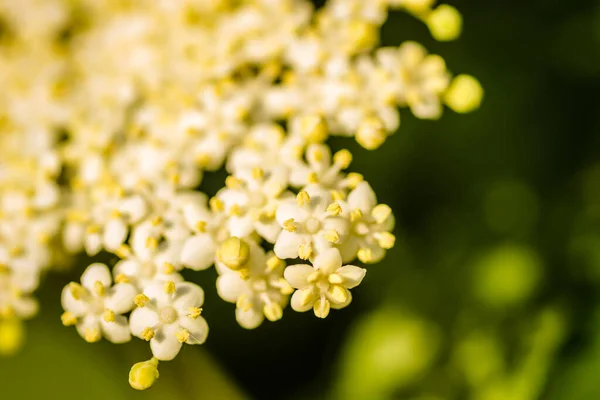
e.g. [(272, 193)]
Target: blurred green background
[(491, 292)]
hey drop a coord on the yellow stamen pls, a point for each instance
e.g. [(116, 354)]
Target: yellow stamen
[(305, 251), (141, 300), (355, 215), (332, 236), (68, 318), (122, 278), (365, 255), (201, 226), (273, 311), (302, 198), (182, 335), (99, 288), (334, 209), (194, 312), (77, 291), (147, 334), (289, 225), (385, 239), (274, 263), (169, 287), (91, 335), (258, 173), (381, 213), (338, 294), (216, 205), (109, 315)]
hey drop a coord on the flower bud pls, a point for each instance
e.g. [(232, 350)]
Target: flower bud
[(11, 336), (234, 253), (143, 374), (464, 94), (444, 23)]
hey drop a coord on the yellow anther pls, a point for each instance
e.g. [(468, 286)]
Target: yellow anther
[(337, 195), (338, 294), (305, 251), (312, 177), (216, 205), (258, 173), (123, 251), (44, 238), (168, 268), (353, 179), (332, 236), (289, 225), (141, 300), (175, 178), (201, 226), (343, 158), (151, 243), (274, 263), (192, 131), (322, 307), (381, 213), (355, 215), (371, 133), (203, 160), (361, 36), (234, 253), (156, 220), (11, 336), (273, 311), (313, 277), (318, 155), (143, 374), (99, 288), (334, 209), (68, 318), (116, 214), (170, 287), (335, 279), (244, 273), (147, 334), (235, 210), (194, 312), (122, 278), (232, 182), (314, 128), (93, 228), (302, 198), (306, 297), (365, 255), (109, 315), (243, 303), (92, 335), (77, 291), (386, 240), (284, 287), (182, 335)]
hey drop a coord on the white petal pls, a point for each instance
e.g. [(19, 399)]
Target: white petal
[(198, 329), (92, 243), (287, 244), (328, 260), (338, 306), (69, 303), (198, 252), (164, 345), (269, 231), (297, 275), (249, 319), (120, 299), (142, 318), (230, 286), (299, 295), (187, 295), (194, 213), (88, 322), (25, 307), (157, 294), (96, 272), (115, 232), (290, 210), (241, 226), (127, 267), (352, 275), (117, 331), (362, 197), (73, 235), (134, 207)]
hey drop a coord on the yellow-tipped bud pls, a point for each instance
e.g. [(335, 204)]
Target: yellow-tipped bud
[(234, 253), (143, 374), (444, 23), (464, 94), (313, 128), (371, 133)]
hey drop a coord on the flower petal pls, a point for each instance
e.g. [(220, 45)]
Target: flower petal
[(115, 233), (287, 244), (142, 318), (120, 299), (328, 260), (96, 272), (164, 345), (198, 252), (198, 329), (304, 299), (297, 275), (230, 286), (352, 275), (362, 197), (188, 295), (116, 331), (249, 319)]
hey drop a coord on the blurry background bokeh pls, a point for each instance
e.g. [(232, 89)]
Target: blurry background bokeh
[(491, 292)]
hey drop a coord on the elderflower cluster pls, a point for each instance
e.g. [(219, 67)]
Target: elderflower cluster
[(112, 112)]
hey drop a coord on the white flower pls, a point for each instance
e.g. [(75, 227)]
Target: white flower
[(13, 301), (321, 168), (258, 289), (311, 224), (95, 307), (325, 285), (371, 223), (251, 198), (168, 315)]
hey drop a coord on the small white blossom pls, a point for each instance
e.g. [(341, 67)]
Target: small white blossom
[(324, 285), (167, 316)]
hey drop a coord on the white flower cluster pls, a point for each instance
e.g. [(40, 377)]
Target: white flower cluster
[(113, 111)]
